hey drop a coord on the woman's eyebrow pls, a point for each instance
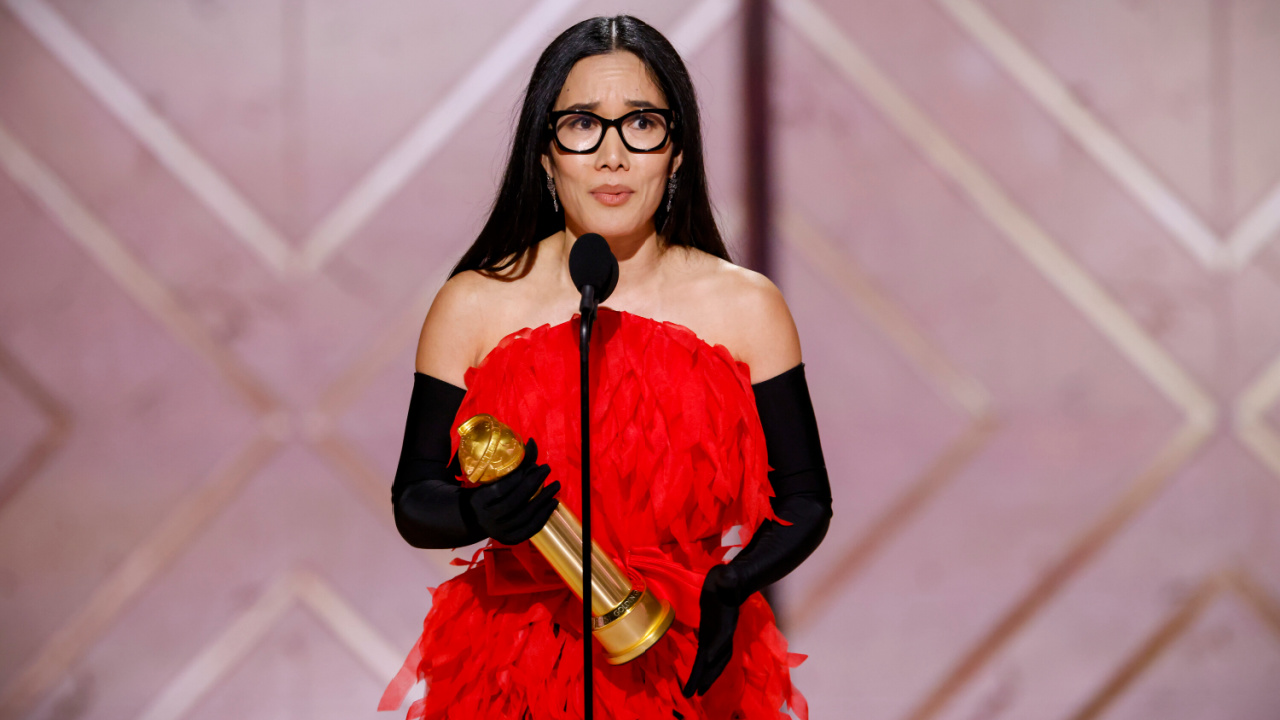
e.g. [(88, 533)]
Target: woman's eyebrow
[(591, 106)]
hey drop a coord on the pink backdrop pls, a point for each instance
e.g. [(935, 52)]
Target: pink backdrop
[(1031, 247)]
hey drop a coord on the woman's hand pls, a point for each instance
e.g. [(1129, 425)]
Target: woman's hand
[(507, 510), (719, 606)]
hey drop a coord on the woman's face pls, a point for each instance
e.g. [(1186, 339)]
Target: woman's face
[(612, 191)]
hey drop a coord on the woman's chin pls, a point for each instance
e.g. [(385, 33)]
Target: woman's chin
[(615, 225)]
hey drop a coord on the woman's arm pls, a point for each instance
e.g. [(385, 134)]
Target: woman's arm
[(433, 509), (430, 507), (802, 492)]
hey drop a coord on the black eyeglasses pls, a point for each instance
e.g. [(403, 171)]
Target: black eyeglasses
[(582, 132)]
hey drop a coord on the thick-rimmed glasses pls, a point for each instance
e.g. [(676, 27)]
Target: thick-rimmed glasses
[(582, 132)]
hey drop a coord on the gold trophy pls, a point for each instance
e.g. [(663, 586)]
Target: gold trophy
[(627, 620)]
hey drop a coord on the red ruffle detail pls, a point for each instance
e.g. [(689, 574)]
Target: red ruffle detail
[(678, 457)]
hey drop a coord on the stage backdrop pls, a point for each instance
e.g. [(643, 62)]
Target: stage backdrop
[(1031, 247)]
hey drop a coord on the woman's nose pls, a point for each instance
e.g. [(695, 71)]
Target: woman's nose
[(612, 153)]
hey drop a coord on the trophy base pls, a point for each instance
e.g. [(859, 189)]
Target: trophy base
[(626, 637)]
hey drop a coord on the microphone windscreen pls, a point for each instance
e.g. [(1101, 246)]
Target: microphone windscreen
[(591, 262)]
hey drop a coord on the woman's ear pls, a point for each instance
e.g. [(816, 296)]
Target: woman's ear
[(675, 163), (547, 167)]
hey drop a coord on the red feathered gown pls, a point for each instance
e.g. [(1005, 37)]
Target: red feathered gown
[(678, 458)]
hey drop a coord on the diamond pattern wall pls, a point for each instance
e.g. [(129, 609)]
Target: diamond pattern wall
[(1031, 249)]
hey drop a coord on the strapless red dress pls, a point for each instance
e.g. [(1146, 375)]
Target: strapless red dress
[(678, 458)]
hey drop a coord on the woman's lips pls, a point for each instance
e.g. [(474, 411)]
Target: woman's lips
[(606, 197)]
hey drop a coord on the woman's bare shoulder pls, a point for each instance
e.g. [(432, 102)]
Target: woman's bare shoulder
[(450, 334), (750, 315)]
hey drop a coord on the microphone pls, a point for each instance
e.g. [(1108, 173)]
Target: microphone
[(594, 271)]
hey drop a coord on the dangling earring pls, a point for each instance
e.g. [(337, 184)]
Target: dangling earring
[(551, 188), (671, 192)]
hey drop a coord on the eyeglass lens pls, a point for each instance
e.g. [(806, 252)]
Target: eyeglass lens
[(642, 131)]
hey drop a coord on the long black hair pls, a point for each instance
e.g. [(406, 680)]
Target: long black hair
[(522, 213)]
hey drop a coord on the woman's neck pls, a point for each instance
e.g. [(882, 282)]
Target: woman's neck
[(639, 259)]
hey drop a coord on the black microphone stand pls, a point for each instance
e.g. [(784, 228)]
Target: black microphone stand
[(587, 317), (594, 271)]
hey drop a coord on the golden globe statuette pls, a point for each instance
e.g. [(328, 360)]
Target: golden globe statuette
[(627, 620)]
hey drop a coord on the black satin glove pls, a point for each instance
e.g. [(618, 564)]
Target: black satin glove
[(507, 509), (715, 631), (433, 509), (802, 497)]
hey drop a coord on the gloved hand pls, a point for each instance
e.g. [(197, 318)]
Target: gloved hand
[(719, 608), (506, 509)]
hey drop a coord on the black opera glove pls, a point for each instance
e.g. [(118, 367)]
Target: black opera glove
[(802, 497), (433, 509)]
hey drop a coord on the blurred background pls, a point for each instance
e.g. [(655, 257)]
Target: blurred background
[(1032, 246)]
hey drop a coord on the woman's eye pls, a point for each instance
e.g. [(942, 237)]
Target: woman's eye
[(647, 123)]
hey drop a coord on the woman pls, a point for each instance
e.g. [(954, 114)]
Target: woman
[(701, 416)]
